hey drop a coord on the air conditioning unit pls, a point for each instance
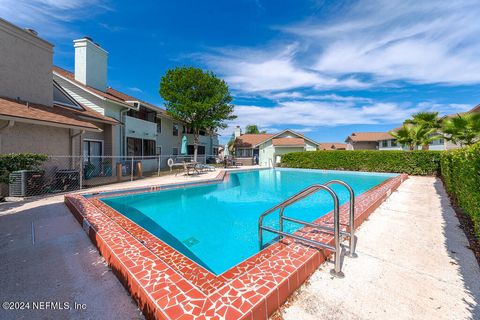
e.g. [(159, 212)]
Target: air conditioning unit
[(25, 183)]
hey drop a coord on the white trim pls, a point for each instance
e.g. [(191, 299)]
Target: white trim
[(74, 105)]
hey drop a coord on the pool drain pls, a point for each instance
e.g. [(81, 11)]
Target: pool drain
[(190, 241)]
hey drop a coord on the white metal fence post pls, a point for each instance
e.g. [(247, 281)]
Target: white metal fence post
[(131, 170), (80, 162)]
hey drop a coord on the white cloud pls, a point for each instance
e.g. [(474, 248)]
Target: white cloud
[(135, 89), (296, 95), (419, 41), (272, 70), (306, 116), (50, 17)]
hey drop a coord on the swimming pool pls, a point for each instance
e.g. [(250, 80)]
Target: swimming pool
[(216, 225)]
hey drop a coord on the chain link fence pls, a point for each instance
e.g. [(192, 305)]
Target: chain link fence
[(67, 173)]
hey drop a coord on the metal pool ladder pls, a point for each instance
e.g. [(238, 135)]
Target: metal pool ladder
[(337, 233)]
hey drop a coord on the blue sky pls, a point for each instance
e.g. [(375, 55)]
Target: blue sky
[(325, 68)]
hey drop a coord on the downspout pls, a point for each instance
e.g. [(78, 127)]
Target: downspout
[(72, 143), (123, 134), (3, 129), (72, 148)]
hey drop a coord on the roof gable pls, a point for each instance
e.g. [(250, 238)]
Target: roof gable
[(299, 135), (251, 140)]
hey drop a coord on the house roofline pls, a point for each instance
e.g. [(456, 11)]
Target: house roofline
[(285, 130), (93, 93), (48, 123)]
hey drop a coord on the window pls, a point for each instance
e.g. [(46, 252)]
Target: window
[(175, 151), (175, 129), (200, 150), (149, 148), (134, 147), (244, 153), (140, 148), (92, 149), (393, 143), (159, 125), (385, 143), (215, 151)]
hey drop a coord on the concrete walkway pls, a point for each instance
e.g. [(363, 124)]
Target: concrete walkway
[(414, 263)]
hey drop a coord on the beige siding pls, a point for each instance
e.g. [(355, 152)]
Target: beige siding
[(25, 65)]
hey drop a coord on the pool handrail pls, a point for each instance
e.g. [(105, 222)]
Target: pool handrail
[(351, 216), (336, 248)]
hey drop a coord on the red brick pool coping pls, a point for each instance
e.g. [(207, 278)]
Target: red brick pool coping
[(168, 285)]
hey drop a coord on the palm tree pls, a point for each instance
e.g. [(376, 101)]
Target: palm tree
[(428, 119), (463, 129), (405, 136), (415, 135), (425, 136)]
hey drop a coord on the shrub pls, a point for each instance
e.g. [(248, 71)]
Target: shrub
[(410, 162), (19, 161), (460, 170)]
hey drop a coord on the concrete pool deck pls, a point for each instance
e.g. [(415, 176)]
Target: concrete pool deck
[(414, 263), (430, 275)]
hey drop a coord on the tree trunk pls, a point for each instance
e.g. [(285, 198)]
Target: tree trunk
[(195, 144)]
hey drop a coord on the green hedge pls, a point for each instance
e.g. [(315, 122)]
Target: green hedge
[(460, 170), (410, 162), (19, 161)]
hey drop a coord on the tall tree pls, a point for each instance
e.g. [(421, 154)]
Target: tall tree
[(253, 129), (463, 129), (197, 98)]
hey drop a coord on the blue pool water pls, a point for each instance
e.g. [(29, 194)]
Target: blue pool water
[(216, 225)]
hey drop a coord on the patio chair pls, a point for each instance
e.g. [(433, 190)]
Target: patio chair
[(206, 167), (190, 168)]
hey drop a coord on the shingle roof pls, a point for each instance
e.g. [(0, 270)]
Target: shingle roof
[(111, 94), (250, 140), (288, 142), (476, 108), (332, 146), (54, 115), (369, 136)]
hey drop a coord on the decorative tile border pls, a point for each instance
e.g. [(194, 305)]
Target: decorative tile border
[(168, 285)]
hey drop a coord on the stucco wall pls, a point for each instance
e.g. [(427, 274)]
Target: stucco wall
[(25, 65), (362, 146), (166, 140), (32, 138)]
